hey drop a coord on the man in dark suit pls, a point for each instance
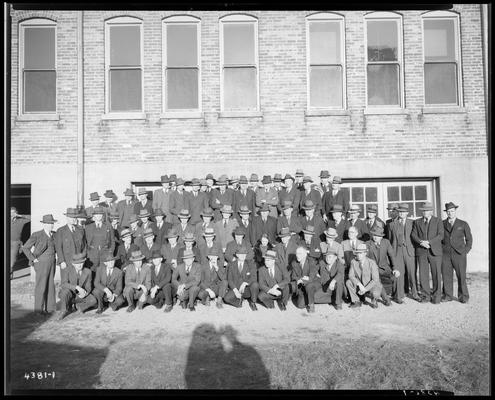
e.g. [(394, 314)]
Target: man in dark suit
[(144, 203), (310, 194), (160, 227), (311, 241), (76, 286), (125, 208), (313, 219), (116, 228), (100, 239), (372, 220), (125, 248), (331, 271), (189, 244), (334, 197), (338, 222), (178, 198), (207, 222), (267, 194), (238, 242), (289, 219), (273, 282), (69, 240), (427, 235), (94, 198), (456, 243), (264, 223), (224, 228), (170, 249), (108, 285), (325, 185), (354, 220), (400, 238), (42, 258), (289, 193), (208, 245), (244, 197), (17, 223), (161, 199), (222, 196), (286, 249), (242, 280), (196, 202), (109, 204), (137, 281), (213, 279), (392, 208), (304, 281), (161, 282), (186, 279), (246, 222), (149, 245), (184, 226)]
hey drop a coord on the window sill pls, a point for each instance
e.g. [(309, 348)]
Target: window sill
[(182, 115), (117, 116), (385, 111), (323, 113), (240, 114), (444, 110), (38, 117)]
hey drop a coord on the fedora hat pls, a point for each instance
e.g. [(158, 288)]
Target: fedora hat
[(158, 213), (148, 232), (337, 180), (284, 232), (78, 258), (202, 182), (242, 250), (164, 179), (114, 215), (308, 204), (94, 196), (372, 208), (109, 257), (277, 178), (244, 210), (264, 207), (240, 230), (314, 252), (141, 191), (188, 254), (233, 180), (310, 230), (82, 214), (243, 180), (172, 178), (360, 248), (189, 237), (377, 231), (98, 210), (307, 179), (354, 209), (393, 206), (187, 183), (271, 254), (286, 204), (195, 182), (136, 256), (125, 232), (144, 213), (288, 176), (299, 172), (179, 181), (210, 176), (403, 207), (222, 180), (133, 218), (449, 205), (227, 208), (109, 194), (337, 208), (427, 206), (266, 179), (184, 213), (172, 233), (209, 232), (213, 252), (254, 178), (128, 192), (207, 212), (324, 174), (71, 212), (156, 254), (331, 233)]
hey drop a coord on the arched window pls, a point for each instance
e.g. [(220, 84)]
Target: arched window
[(325, 61), (239, 63), (38, 66), (442, 58), (124, 65), (384, 60)]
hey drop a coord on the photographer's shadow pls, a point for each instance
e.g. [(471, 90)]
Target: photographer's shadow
[(212, 364)]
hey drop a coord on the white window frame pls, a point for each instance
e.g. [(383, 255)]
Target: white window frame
[(233, 19), (364, 185), (180, 20), (31, 23), (444, 15), (122, 21), (321, 17), (386, 16)]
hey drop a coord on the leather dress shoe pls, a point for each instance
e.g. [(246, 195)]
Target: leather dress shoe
[(168, 307), (99, 310), (338, 306), (192, 308), (253, 306), (131, 308)]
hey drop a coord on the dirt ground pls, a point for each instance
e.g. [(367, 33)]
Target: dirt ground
[(409, 346)]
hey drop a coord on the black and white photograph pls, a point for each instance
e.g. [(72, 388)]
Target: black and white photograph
[(246, 196)]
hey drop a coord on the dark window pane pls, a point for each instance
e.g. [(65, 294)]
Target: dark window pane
[(182, 45), (40, 91), (417, 211), (439, 40), (357, 194), (346, 191), (240, 88), (440, 83), (324, 42), (406, 193), (39, 48), (382, 41), (182, 88), (383, 85), (371, 194), (238, 43), (393, 193), (325, 87), (125, 46), (125, 90), (420, 192)]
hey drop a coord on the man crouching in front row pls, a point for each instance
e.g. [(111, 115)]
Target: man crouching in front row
[(137, 281), (186, 279), (108, 285)]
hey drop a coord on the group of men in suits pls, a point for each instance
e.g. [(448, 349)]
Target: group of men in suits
[(229, 241)]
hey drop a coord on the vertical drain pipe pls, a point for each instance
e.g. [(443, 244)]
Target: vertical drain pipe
[(80, 111)]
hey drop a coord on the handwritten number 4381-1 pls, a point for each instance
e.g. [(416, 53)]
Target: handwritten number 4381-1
[(39, 375)]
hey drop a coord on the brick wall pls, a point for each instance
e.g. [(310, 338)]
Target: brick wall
[(284, 133)]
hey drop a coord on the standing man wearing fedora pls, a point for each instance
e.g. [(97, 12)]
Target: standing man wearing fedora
[(184, 226), (277, 182), (312, 218), (335, 196), (325, 185), (338, 222), (17, 223), (427, 235), (134, 229), (267, 194), (42, 258), (289, 219), (394, 214), (100, 239), (372, 220), (161, 198), (289, 193), (400, 238), (457, 243), (208, 244), (69, 240), (245, 221), (309, 194), (186, 279), (143, 203), (299, 179), (196, 202), (224, 227), (137, 281), (108, 285), (125, 208), (273, 282), (221, 196), (286, 249), (264, 224), (160, 227), (76, 286), (355, 221), (109, 204), (206, 222), (254, 182), (244, 197), (94, 198), (213, 279)]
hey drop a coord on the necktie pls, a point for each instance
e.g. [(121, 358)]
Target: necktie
[(138, 270), (271, 272), (288, 221), (128, 203), (98, 226), (187, 270), (225, 223), (157, 270), (245, 224), (240, 267), (109, 272), (160, 226), (264, 221)]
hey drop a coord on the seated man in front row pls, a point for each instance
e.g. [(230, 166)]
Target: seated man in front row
[(76, 287), (213, 280), (137, 281), (274, 282), (242, 280), (161, 282), (331, 271), (364, 279), (186, 279), (108, 284), (303, 279)]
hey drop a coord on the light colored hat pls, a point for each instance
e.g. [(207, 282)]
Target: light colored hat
[(271, 254), (184, 214), (227, 208), (331, 233), (360, 248), (354, 208)]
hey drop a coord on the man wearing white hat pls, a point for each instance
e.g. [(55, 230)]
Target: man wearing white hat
[(208, 244), (267, 195), (184, 226), (331, 243)]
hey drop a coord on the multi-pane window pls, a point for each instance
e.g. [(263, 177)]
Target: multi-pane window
[(124, 64), (441, 58), (181, 63), (415, 194), (362, 195), (239, 57), (384, 72), (325, 60), (38, 67)]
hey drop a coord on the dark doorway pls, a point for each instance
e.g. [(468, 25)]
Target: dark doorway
[(20, 198)]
